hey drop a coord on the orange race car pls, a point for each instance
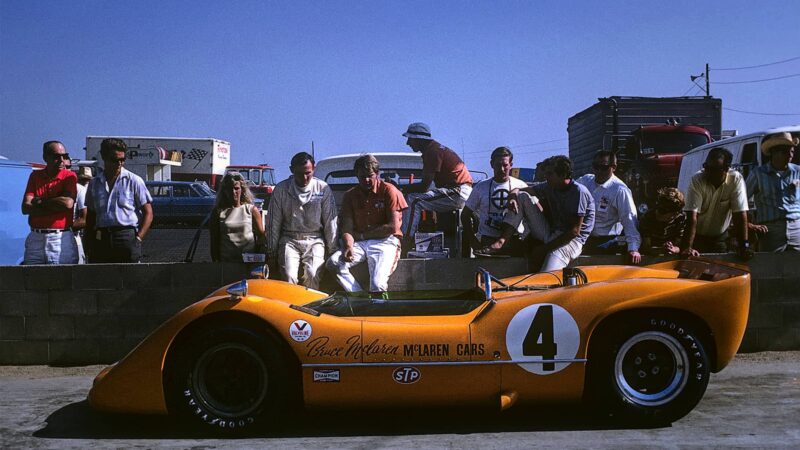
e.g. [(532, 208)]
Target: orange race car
[(639, 341)]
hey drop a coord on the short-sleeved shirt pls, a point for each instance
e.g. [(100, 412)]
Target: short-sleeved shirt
[(368, 209), (120, 206), (565, 204), (80, 201), (489, 200), (40, 184), (714, 205), (776, 193), (450, 171)]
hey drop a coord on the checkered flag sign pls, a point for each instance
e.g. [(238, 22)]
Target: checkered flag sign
[(197, 154)]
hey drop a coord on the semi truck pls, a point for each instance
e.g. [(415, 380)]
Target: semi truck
[(171, 159), (261, 178), (648, 134)]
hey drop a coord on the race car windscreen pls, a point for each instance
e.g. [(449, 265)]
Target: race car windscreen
[(410, 303)]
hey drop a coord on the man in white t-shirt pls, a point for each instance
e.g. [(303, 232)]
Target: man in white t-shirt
[(615, 222), (80, 210), (485, 208)]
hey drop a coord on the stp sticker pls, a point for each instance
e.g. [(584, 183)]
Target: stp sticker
[(543, 332), (300, 330), (406, 375), (326, 376)]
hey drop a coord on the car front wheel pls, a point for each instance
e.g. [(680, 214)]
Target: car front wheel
[(654, 373), (228, 379)]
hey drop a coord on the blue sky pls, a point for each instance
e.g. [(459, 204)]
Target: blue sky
[(270, 77)]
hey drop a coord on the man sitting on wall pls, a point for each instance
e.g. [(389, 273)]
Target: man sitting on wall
[(370, 222), (486, 206), (562, 224)]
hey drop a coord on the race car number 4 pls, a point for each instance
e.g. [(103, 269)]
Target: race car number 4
[(545, 333)]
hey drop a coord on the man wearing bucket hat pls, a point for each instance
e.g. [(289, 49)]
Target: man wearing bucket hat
[(440, 166), (775, 188)]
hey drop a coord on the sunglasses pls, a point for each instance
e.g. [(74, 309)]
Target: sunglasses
[(601, 166), (64, 156)]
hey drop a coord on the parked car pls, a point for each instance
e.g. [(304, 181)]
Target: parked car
[(181, 201), (640, 342)]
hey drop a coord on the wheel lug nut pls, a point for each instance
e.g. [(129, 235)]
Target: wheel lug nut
[(655, 370), (642, 374), (637, 360), (651, 356)]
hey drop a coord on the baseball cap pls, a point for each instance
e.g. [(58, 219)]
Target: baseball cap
[(418, 130)]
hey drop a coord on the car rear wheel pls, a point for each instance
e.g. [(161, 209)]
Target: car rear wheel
[(654, 373), (228, 379)]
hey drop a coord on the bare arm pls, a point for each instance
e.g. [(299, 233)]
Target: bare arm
[(38, 206), (258, 225), (691, 230), (568, 235), (147, 220)]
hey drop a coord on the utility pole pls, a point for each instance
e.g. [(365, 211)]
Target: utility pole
[(312, 151), (708, 83)]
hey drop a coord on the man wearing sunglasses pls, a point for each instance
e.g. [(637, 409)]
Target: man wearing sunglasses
[(115, 199), (715, 196), (615, 223), (48, 200)]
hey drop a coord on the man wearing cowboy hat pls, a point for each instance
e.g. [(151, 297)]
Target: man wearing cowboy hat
[(775, 188), (440, 166)]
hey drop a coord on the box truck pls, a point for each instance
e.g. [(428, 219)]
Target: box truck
[(168, 158)]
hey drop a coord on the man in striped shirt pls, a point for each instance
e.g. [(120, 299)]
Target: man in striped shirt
[(775, 187)]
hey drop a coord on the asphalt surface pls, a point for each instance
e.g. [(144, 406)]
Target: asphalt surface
[(754, 403)]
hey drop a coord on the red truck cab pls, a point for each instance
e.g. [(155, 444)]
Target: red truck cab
[(261, 179), (653, 158)]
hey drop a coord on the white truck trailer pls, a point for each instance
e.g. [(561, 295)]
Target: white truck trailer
[(168, 158)]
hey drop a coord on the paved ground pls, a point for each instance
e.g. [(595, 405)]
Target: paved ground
[(755, 402)]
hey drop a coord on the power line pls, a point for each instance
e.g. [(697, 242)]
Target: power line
[(760, 65), (757, 81), (516, 146), (761, 113)]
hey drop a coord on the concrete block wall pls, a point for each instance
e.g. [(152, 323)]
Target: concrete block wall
[(89, 314)]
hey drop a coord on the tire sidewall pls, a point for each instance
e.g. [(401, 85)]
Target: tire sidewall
[(183, 400), (696, 372)]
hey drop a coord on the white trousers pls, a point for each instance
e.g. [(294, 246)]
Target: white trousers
[(782, 236), (539, 227), (310, 252), (51, 248), (381, 256), (438, 199)]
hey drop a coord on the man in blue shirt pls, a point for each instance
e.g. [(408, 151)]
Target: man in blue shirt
[(114, 200), (775, 188), (559, 213)]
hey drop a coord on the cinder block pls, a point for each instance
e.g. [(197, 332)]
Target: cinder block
[(112, 350), (94, 327), (196, 274), (43, 278), (23, 352), (24, 303), (155, 275), (178, 299), (778, 339), (49, 327), (233, 272), (766, 265), (791, 315), (75, 352), (139, 327), (765, 315), (12, 328), (12, 277), (123, 301), (777, 290), (98, 276), (77, 303)]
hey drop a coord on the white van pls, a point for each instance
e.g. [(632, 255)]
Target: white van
[(746, 150)]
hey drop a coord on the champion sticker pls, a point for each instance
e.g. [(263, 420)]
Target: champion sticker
[(326, 376), (300, 330)]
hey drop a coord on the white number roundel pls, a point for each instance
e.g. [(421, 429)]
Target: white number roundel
[(543, 332)]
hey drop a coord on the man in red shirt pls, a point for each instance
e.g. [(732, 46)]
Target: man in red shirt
[(48, 201), (370, 221), (440, 166)]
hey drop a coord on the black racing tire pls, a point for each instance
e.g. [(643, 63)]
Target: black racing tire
[(227, 379), (652, 372)]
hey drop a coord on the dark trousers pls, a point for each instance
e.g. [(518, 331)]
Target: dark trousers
[(114, 245), (711, 244), (604, 245)]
